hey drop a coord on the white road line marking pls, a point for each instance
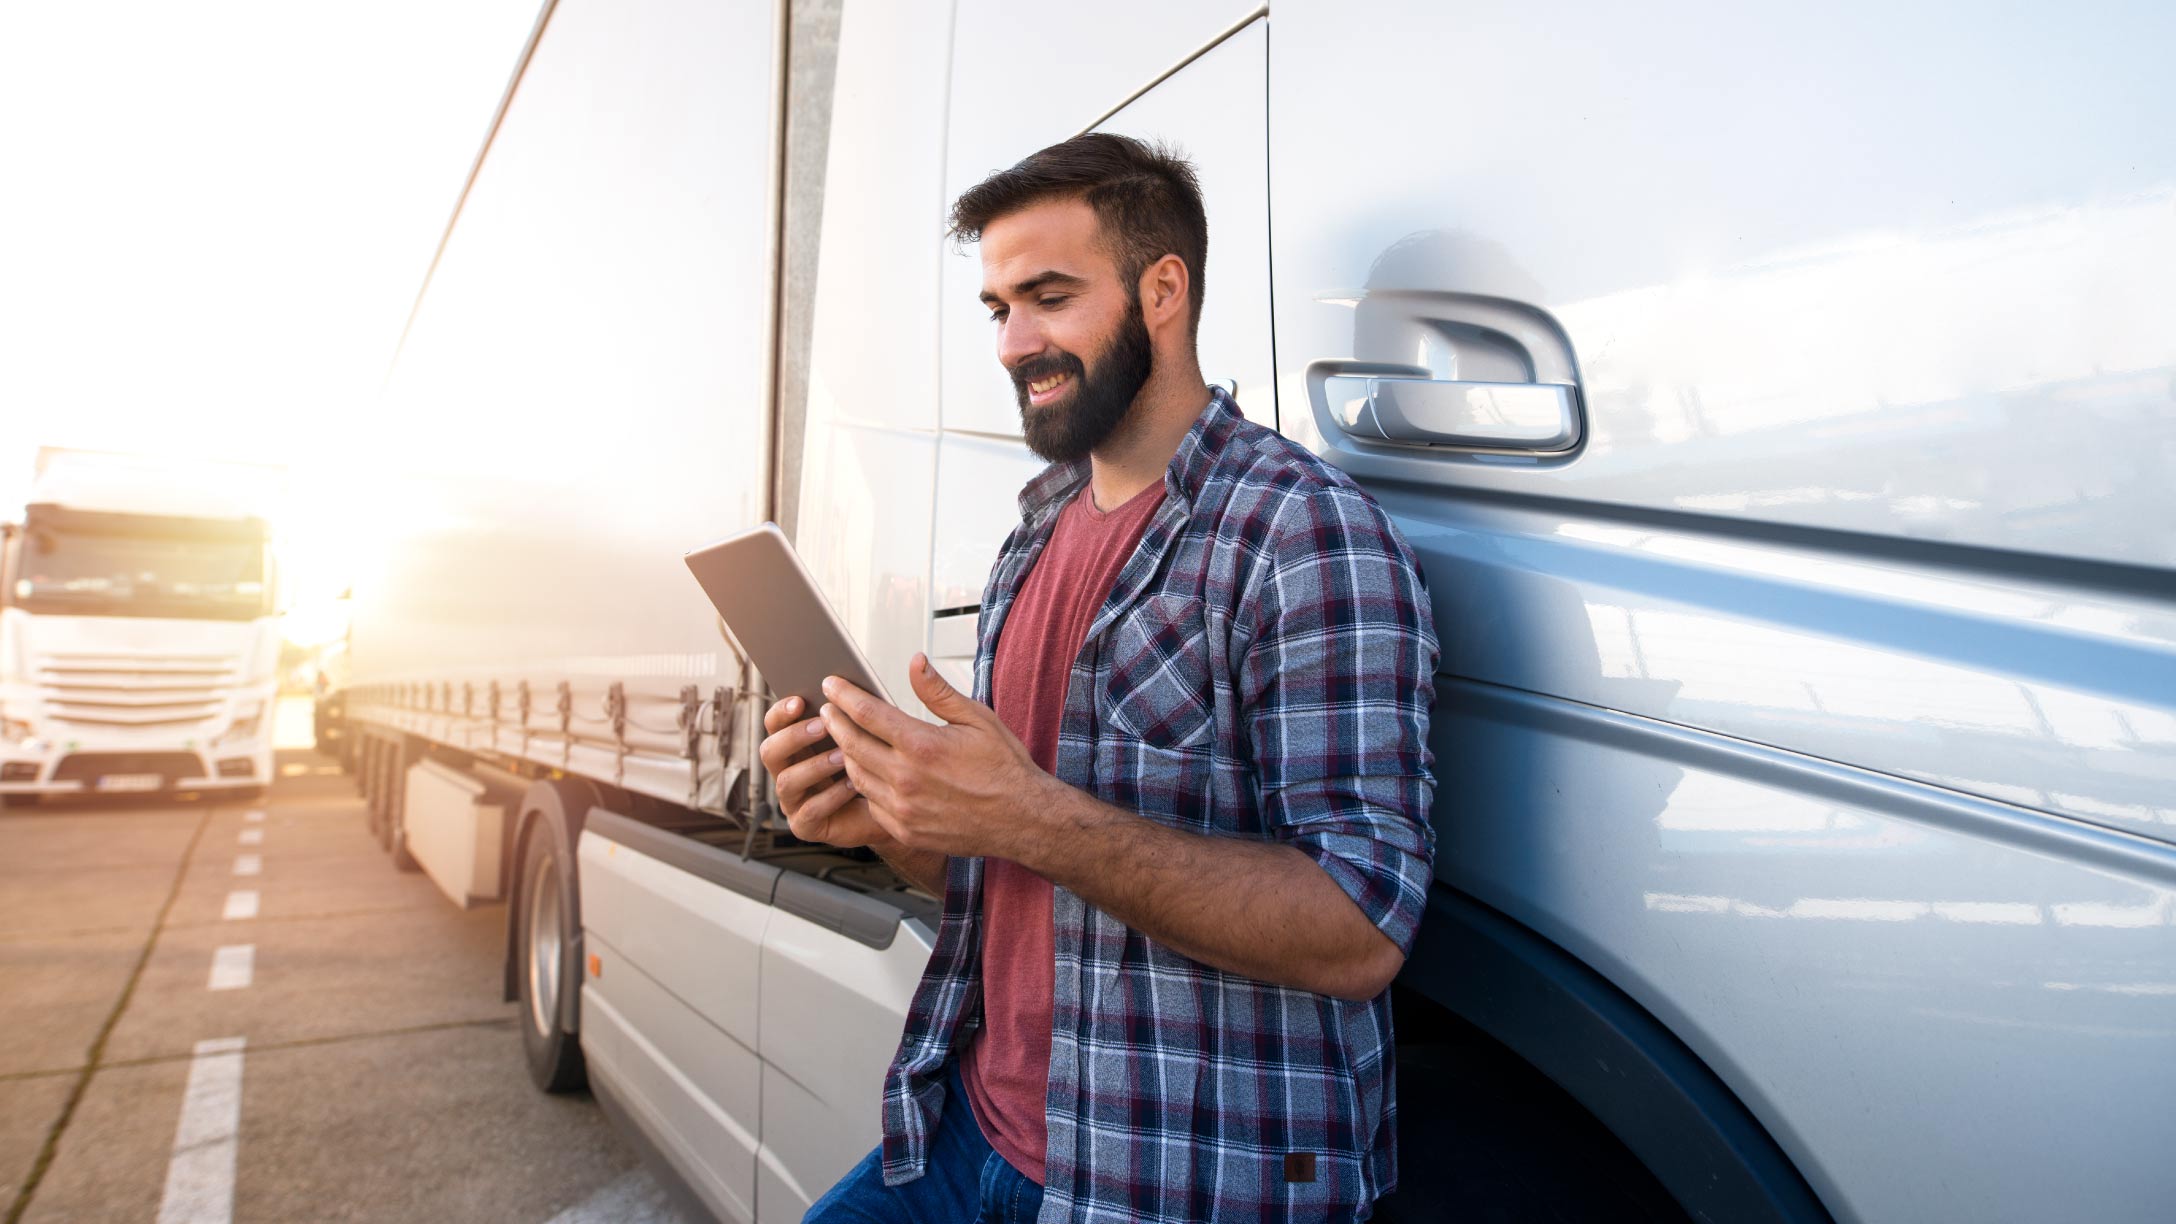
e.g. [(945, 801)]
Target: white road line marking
[(233, 966), (633, 1197), (248, 864), (241, 903), (253, 816), (200, 1175), (253, 837)]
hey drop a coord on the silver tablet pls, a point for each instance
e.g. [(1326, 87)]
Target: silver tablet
[(773, 609)]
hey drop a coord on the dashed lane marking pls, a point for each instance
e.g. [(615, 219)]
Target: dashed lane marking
[(634, 1197), (200, 1175), (248, 864), (252, 837), (253, 816), (241, 903), (27, 1192), (232, 967)]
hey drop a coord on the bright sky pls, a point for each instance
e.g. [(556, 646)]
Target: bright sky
[(213, 220)]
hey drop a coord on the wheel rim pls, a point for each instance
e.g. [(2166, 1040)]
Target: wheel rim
[(544, 946)]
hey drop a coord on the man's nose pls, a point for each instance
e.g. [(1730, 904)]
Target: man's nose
[(1017, 340)]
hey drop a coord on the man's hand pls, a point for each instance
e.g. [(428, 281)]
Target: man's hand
[(820, 804), (967, 787), (970, 788)]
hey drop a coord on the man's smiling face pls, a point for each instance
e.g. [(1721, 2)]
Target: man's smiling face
[(1069, 325)]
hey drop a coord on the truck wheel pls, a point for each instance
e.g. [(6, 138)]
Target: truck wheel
[(19, 801), (366, 781), (401, 858), (390, 758), (374, 791), (396, 815), (548, 968)]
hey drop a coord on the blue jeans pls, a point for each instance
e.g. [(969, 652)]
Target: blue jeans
[(967, 1181)]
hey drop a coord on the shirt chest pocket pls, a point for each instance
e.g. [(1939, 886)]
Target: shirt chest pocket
[(1158, 687)]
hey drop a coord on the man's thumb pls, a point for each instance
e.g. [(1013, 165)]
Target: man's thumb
[(942, 699)]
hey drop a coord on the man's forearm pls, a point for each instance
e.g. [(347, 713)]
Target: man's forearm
[(925, 869), (1253, 907)]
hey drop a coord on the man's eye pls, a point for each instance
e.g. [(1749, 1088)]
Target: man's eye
[(1054, 301), (998, 315)]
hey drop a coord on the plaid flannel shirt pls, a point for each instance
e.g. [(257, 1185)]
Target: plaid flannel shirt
[(1262, 668)]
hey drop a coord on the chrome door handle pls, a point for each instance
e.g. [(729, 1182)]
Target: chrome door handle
[(1527, 416)]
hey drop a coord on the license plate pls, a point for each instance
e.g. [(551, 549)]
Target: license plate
[(131, 782)]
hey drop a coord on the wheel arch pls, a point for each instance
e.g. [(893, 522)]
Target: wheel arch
[(1624, 1066)]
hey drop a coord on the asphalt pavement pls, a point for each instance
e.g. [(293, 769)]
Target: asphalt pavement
[(224, 1012)]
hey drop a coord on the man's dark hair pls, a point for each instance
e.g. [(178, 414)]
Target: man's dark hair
[(1146, 199)]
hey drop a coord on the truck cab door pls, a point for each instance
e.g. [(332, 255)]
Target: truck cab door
[(1760, 389)]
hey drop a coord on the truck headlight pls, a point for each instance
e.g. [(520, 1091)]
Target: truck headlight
[(13, 729), (245, 723)]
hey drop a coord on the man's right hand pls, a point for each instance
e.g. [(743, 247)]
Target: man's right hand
[(820, 804)]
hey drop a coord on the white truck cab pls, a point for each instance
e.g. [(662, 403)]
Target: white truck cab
[(138, 633)]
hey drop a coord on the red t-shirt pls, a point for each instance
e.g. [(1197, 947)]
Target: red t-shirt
[(1007, 1069)]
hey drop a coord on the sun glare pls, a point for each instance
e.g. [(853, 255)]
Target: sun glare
[(238, 207)]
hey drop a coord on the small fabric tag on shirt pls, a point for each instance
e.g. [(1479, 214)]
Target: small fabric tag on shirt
[(1299, 1166)]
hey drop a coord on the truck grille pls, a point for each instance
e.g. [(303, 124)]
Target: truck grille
[(149, 690), (89, 767)]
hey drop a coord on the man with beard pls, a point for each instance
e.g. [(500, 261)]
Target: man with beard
[(1181, 831)]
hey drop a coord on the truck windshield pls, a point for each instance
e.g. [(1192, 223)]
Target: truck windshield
[(139, 565)]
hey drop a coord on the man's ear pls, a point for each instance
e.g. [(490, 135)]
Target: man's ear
[(1164, 286)]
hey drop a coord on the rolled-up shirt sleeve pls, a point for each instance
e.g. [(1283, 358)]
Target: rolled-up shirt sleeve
[(1337, 682)]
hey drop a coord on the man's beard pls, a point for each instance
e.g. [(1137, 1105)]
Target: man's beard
[(1069, 429)]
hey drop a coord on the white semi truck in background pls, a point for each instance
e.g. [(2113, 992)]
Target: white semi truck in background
[(139, 629), (1805, 732)]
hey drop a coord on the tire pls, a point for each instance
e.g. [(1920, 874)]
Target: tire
[(549, 966), (373, 787), (395, 837), (398, 836), (19, 801), (390, 759)]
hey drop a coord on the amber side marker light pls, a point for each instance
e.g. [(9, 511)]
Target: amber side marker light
[(596, 965)]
